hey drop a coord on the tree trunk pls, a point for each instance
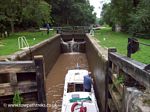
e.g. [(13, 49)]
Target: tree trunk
[(12, 26), (135, 3), (67, 20)]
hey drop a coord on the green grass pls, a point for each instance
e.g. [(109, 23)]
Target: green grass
[(9, 45), (106, 37), (109, 38)]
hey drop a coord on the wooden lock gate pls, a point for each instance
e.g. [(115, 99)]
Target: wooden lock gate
[(123, 73), (26, 77)]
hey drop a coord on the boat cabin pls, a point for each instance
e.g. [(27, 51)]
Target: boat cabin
[(75, 97), (73, 87)]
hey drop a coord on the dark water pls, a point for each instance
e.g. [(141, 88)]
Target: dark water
[(55, 79)]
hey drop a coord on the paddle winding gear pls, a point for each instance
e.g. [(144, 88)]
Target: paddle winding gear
[(133, 45)]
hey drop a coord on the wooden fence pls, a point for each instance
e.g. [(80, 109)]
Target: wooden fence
[(26, 77), (123, 73)]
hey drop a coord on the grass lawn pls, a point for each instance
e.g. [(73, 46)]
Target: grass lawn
[(109, 38), (9, 45)]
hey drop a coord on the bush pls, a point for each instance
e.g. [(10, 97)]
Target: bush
[(140, 20)]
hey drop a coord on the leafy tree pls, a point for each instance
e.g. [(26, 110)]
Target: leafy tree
[(120, 10), (107, 14), (10, 11), (17, 11), (141, 18), (81, 14), (132, 15), (136, 2), (72, 12), (101, 21), (38, 12)]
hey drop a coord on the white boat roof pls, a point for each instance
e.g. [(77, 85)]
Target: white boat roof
[(76, 75), (89, 104), (90, 107), (69, 98)]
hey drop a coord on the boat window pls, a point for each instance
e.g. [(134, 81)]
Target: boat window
[(70, 87), (78, 87), (74, 87)]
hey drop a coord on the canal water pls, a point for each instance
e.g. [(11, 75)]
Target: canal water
[(55, 79)]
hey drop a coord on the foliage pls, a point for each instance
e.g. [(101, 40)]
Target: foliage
[(38, 12), (17, 99), (72, 12), (23, 14), (9, 11), (15, 12), (132, 15), (117, 12), (141, 18), (101, 21), (106, 14), (120, 80)]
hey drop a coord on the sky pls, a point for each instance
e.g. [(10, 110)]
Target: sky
[(98, 4)]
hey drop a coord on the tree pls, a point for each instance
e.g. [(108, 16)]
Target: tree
[(37, 12), (101, 21), (136, 2), (81, 14), (107, 14), (121, 10), (72, 12), (10, 11), (141, 18), (129, 14), (23, 11)]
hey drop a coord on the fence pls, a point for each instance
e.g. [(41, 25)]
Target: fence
[(123, 73), (26, 77)]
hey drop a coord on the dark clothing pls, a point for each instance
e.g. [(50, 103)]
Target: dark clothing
[(48, 27), (87, 90), (87, 83)]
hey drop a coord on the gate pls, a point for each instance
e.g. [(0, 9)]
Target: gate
[(27, 78), (126, 81)]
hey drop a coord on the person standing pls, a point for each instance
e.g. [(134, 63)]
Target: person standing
[(87, 82), (48, 27)]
